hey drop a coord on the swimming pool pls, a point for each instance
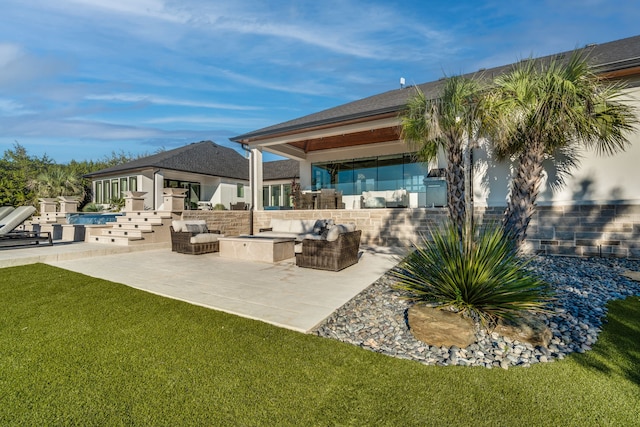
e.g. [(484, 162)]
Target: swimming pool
[(92, 218)]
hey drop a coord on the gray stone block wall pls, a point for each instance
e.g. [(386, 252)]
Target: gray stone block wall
[(589, 230)]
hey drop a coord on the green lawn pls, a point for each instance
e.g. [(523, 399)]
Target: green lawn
[(83, 351)]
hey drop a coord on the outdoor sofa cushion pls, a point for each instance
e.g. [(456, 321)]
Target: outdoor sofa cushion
[(335, 231), (205, 238), (297, 229), (190, 226)]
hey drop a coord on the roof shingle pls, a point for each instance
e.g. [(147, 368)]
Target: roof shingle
[(606, 57), (204, 157)]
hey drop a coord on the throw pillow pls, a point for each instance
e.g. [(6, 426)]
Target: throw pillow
[(196, 228)]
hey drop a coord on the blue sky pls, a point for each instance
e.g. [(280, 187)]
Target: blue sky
[(80, 79)]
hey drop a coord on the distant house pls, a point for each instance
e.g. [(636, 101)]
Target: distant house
[(210, 172), (356, 147)]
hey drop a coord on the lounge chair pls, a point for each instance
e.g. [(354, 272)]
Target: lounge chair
[(10, 237), (4, 211)]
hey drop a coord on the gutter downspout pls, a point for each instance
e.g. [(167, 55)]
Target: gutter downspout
[(155, 173)]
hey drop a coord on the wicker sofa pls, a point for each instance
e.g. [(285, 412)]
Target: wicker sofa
[(193, 237), (338, 250), (297, 229)]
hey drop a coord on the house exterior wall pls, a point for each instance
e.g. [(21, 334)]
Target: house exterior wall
[(597, 179)]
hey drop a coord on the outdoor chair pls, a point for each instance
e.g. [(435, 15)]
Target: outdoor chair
[(4, 211), (306, 201), (193, 237), (327, 254), (327, 198), (9, 236), (240, 206)]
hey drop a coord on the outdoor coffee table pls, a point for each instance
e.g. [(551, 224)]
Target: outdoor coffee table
[(254, 248)]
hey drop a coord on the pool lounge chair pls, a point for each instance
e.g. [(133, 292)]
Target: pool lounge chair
[(4, 211), (10, 237)]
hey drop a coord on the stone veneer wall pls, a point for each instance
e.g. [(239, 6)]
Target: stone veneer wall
[(384, 227), (230, 223), (582, 230)]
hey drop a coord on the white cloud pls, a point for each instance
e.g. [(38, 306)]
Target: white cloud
[(9, 107), (210, 121), (140, 8), (159, 100)]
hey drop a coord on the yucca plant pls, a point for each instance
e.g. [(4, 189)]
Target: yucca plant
[(483, 278)]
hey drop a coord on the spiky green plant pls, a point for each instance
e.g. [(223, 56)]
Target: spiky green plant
[(484, 279)]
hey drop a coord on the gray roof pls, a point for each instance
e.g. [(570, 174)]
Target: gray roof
[(606, 57), (280, 169), (204, 157)]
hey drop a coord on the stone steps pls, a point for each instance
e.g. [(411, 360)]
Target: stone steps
[(117, 240), (135, 228)]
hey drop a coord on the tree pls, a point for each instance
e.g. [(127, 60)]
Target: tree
[(16, 169), (448, 122), (57, 181), (541, 108)]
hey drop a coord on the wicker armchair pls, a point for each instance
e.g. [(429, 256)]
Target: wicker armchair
[(330, 255), (193, 242)]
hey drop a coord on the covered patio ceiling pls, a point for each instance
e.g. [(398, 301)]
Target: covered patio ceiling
[(358, 132)]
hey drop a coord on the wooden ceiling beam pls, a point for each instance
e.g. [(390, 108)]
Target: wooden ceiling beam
[(372, 136)]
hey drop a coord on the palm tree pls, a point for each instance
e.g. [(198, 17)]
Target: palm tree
[(56, 181), (445, 123), (542, 108)]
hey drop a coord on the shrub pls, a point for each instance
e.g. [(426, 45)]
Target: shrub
[(91, 207), (219, 207), (116, 204), (485, 279)]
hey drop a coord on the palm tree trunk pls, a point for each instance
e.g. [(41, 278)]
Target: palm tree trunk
[(525, 188), (455, 182)]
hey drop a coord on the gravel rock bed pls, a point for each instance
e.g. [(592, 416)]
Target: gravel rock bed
[(375, 319)]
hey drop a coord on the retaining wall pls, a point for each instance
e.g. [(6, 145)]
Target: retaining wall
[(579, 230)]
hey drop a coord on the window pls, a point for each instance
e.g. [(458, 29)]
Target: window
[(287, 195), (99, 196), (352, 177), (265, 195), (107, 191), (115, 194), (275, 195), (240, 191)]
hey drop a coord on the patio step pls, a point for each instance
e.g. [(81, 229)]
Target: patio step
[(124, 232), (135, 226), (116, 240), (149, 214), (155, 220)]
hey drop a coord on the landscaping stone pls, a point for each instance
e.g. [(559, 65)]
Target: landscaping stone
[(526, 328), (440, 327), (377, 318)]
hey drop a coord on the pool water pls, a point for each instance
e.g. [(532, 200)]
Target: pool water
[(92, 218)]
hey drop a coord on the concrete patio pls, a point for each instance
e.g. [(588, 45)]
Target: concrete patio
[(281, 293)]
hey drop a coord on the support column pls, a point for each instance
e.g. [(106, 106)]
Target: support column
[(174, 199), (255, 178), (134, 201), (48, 205), (68, 204)]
